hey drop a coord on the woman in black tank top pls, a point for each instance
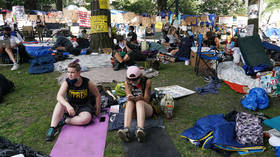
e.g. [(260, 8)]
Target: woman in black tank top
[(138, 90), (77, 104)]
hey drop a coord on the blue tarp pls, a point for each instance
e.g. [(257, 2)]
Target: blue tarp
[(273, 31), (38, 50)]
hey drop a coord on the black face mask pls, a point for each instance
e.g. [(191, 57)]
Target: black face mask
[(72, 82), (7, 35)]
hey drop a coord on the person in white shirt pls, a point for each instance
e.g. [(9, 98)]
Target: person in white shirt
[(14, 41)]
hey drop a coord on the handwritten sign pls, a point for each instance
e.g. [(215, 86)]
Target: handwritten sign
[(99, 24)]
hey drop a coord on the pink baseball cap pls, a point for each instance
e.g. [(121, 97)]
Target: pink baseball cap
[(133, 72)]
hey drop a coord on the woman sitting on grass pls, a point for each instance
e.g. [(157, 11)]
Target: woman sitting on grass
[(78, 102), (138, 90)]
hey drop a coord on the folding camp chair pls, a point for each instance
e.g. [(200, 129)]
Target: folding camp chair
[(206, 57), (28, 33), (5, 60)]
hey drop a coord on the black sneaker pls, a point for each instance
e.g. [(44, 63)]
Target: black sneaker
[(140, 135), (117, 66), (52, 132), (124, 134)]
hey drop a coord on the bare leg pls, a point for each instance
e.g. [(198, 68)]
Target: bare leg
[(61, 48), (10, 54), (58, 112), (82, 119), (130, 106), (118, 57), (173, 52), (126, 58), (1, 49), (143, 110)]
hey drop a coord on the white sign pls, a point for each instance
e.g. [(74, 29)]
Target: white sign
[(253, 11), (226, 20), (1, 20), (18, 12), (242, 21), (250, 30), (175, 91)]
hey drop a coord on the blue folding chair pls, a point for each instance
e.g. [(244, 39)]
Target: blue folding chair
[(211, 55)]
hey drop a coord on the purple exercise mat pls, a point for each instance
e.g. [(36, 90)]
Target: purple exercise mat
[(82, 141)]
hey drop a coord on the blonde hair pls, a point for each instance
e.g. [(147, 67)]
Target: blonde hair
[(171, 30)]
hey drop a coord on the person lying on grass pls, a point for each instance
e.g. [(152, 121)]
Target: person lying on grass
[(138, 92), (77, 108)]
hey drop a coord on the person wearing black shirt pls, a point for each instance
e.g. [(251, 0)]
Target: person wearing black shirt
[(75, 98)]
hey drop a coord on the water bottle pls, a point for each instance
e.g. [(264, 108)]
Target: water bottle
[(170, 111)]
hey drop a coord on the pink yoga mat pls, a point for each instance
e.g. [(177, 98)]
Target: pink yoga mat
[(82, 141)]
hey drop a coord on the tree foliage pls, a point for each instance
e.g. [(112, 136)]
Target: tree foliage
[(28, 4), (140, 6), (222, 7), (152, 7), (271, 5)]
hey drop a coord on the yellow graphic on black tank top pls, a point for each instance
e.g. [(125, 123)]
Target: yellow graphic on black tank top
[(78, 94)]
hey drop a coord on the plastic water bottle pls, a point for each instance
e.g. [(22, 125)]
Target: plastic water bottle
[(170, 111)]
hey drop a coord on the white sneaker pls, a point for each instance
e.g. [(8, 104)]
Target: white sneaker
[(15, 67), (187, 62)]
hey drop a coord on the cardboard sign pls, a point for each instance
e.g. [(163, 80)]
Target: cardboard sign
[(158, 26), (99, 24)]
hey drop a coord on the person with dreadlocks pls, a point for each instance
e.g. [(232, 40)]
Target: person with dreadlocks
[(81, 103)]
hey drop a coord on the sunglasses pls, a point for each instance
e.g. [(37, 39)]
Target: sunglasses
[(134, 79)]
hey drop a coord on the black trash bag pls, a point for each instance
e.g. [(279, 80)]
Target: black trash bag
[(6, 86), (7, 149), (106, 99)]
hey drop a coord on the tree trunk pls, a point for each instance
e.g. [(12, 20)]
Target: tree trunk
[(59, 5), (255, 19), (100, 24), (30, 4), (162, 5)]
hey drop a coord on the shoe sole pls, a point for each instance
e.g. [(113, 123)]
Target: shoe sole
[(140, 136), (51, 139), (123, 136)]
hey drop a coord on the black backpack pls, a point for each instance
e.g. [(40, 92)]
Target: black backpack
[(6, 86)]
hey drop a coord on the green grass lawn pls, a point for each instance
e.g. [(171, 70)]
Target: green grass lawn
[(25, 113)]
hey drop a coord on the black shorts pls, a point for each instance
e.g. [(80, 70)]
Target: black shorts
[(87, 107)]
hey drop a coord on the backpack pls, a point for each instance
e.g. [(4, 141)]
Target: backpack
[(6, 86), (156, 96), (120, 89), (248, 129), (107, 98)]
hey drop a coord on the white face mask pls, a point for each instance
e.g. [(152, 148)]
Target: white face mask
[(121, 45)]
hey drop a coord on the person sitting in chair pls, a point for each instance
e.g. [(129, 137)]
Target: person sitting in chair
[(62, 43), (8, 43), (78, 104), (131, 36), (138, 93), (123, 55), (133, 45), (184, 49)]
